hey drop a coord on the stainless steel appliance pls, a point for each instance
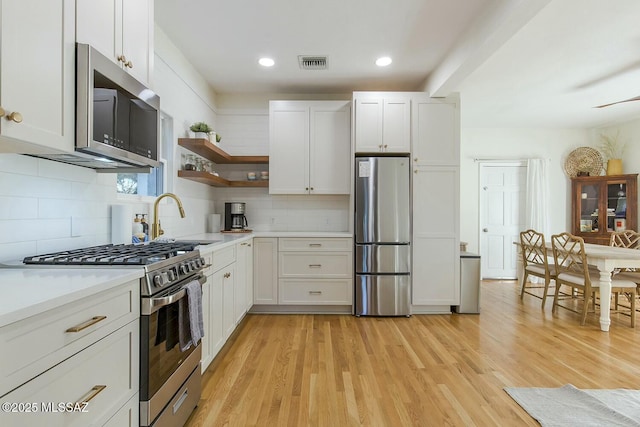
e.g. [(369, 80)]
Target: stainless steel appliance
[(117, 117), (382, 236), (234, 218), (170, 379)]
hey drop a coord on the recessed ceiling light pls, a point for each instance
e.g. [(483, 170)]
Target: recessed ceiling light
[(383, 62), (266, 62)]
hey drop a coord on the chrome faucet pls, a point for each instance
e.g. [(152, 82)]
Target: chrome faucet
[(155, 228)]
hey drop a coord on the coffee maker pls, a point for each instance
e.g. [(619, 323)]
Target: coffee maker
[(234, 219)]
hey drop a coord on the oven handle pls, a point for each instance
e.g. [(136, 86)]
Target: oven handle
[(149, 306)]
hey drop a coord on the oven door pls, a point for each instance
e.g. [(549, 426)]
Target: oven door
[(160, 354)]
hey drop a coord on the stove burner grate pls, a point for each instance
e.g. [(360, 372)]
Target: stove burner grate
[(114, 254)]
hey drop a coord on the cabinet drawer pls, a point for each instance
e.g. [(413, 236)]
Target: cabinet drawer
[(105, 375), (33, 345), (321, 265), (128, 415), (319, 244), (316, 291), (223, 257)]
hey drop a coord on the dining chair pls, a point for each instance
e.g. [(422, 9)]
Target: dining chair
[(572, 270), (626, 239), (535, 263)]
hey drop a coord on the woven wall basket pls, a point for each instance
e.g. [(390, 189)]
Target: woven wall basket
[(584, 161)]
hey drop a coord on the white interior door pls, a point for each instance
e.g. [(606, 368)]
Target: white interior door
[(502, 217)]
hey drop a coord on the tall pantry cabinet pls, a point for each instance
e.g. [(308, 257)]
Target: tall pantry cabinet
[(435, 153)]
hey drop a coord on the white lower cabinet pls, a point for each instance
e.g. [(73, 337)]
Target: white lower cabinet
[(86, 389), (127, 416), (310, 271), (227, 295), (265, 270), (435, 245)]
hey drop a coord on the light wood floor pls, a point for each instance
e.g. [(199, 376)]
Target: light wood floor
[(427, 370)]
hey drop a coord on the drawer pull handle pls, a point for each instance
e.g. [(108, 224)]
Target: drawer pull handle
[(315, 245), (315, 265), (92, 393), (315, 292), (178, 404), (85, 325)]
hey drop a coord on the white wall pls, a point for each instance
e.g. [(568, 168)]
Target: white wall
[(515, 144)]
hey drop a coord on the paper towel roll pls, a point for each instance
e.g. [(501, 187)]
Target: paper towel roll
[(213, 223), (121, 224)]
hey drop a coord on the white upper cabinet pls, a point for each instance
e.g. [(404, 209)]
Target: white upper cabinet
[(37, 76), (436, 132), (309, 147), (382, 124), (121, 30)]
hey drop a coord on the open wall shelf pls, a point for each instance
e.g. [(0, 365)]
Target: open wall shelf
[(210, 151)]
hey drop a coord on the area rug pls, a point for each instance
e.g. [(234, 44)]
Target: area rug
[(569, 406)]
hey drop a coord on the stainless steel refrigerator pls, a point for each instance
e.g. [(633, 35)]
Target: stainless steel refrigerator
[(382, 236)]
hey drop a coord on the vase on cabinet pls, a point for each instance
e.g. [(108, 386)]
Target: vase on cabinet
[(614, 167)]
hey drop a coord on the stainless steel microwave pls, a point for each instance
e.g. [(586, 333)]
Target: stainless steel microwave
[(117, 117)]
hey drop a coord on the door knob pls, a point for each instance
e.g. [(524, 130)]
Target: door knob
[(1, 112), (15, 116), (485, 230), (122, 58), (128, 64)]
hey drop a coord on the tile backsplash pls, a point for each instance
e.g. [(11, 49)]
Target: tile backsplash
[(47, 206)]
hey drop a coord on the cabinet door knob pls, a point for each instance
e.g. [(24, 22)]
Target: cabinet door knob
[(415, 171), (415, 160), (311, 188), (122, 58), (2, 112), (485, 230), (15, 117), (129, 64), (306, 188)]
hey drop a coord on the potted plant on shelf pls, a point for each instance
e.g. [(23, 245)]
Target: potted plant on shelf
[(613, 150), (201, 130)]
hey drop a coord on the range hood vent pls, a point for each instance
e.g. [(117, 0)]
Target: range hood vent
[(312, 62)]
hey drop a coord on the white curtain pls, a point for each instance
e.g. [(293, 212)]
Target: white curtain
[(537, 203)]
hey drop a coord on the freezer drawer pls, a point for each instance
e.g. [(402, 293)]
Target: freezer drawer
[(388, 295), (375, 259)]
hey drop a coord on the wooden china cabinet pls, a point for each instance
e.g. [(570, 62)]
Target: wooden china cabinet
[(603, 204)]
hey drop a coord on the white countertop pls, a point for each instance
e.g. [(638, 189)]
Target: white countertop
[(27, 291), (30, 291)]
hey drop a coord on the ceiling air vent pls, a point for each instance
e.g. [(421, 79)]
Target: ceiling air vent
[(312, 62)]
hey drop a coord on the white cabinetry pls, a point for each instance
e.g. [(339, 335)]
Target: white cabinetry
[(121, 30), (309, 272), (382, 123), (86, 351), (436, 132), (436, 204), (265, 270), (244, 279), (309, 147), (225, 295), (37, 76), (435, 245)]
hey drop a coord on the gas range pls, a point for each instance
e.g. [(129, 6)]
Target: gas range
[(165, 264)]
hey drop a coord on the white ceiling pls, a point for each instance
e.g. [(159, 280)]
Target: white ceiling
[(515, 63)]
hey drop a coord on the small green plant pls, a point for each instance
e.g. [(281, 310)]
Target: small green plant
[(201, 127), (611, 147), (218, 137)]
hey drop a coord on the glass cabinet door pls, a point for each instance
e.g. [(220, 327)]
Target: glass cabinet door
[(616, 206), (588, 208)]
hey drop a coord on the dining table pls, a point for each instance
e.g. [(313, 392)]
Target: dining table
[(606, 259)]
